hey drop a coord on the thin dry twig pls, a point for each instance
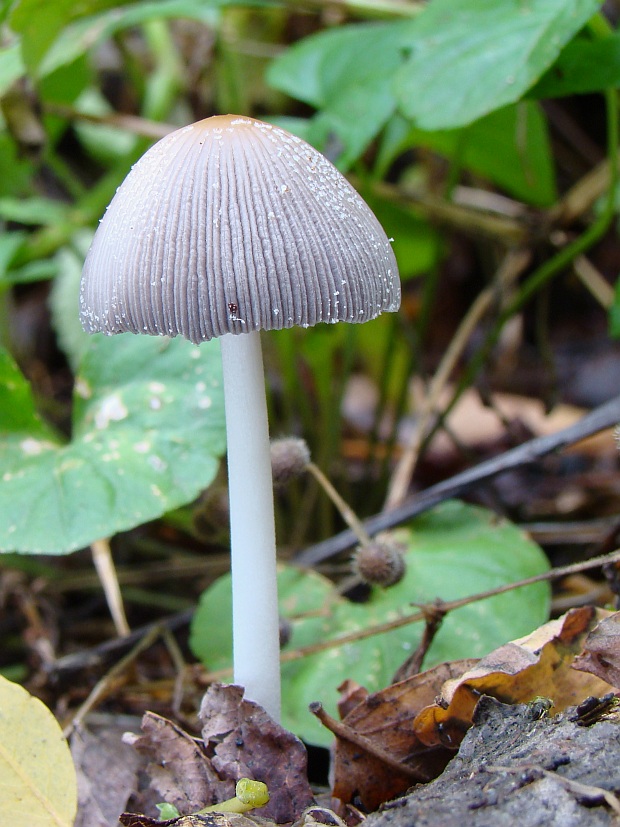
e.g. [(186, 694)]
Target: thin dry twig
[(416, 617), (347, 733), (582, 196), (513, 265), (130, 123), (104, 686), (346, 512), (104, 563), (601, 418), (476, 222), (433, 620), (594, 282), (448, 606)]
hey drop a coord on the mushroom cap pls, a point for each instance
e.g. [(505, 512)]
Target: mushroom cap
[(231, 225)]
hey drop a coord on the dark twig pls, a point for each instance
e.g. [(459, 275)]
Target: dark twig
[(109, 649), (434, 614), (448, 606), (605, 416)]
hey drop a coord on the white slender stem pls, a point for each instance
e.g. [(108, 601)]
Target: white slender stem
[(256, 643)]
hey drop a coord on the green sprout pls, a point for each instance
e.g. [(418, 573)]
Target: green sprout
[(249, 795)]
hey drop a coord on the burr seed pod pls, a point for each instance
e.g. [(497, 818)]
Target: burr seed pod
[(380, 562)]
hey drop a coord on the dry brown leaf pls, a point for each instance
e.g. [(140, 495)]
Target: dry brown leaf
[(351, 694), (107, 774), (243, 741), (385, 719), (178, 768), (601, 651), (538, 665)]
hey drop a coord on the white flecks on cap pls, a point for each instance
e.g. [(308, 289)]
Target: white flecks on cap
[(232, 225)]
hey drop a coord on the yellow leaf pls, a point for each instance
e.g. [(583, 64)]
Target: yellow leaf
[(38, 786)]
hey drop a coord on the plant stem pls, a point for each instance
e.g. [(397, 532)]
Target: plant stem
[(563, 259), (104, 563), (346, 512), (513, 265), (256, 637)]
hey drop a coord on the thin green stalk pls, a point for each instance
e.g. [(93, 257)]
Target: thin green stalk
[(371, 9), (550, 268), (599, 26), (167, 79)]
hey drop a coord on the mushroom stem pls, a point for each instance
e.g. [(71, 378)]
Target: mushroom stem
[(256, 638)]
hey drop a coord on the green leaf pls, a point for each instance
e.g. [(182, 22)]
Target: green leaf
[(583, 66), (35, 210), (11, 66), (417, 245), (509, 147), (33, 271), (16, 173), (81, 35), (454, 551), (81, 32), (64, 298), (106, 144), (345, 72), (40, 21), (470, 57), (148, 431), (39, 784), (10, 243)]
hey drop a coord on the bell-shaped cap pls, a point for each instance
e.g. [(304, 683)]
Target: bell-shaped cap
[(232, 225)]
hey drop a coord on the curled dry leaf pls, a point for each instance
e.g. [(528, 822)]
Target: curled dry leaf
[(178, 769), (601, 651), (538, 665), (242, 740), (420, 731), (386, 719), (107, 774)]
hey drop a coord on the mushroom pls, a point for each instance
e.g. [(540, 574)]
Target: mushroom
[(224, 228)]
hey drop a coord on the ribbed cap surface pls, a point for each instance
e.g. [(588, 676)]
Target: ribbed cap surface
[(231, 225)]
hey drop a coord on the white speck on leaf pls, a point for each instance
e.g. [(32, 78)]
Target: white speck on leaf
[(157, 463), (82, 388), (32, 447), (111, 409)]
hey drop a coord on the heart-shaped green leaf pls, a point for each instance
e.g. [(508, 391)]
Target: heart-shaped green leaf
[(355, 96), (148, 431), (454, 551)]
